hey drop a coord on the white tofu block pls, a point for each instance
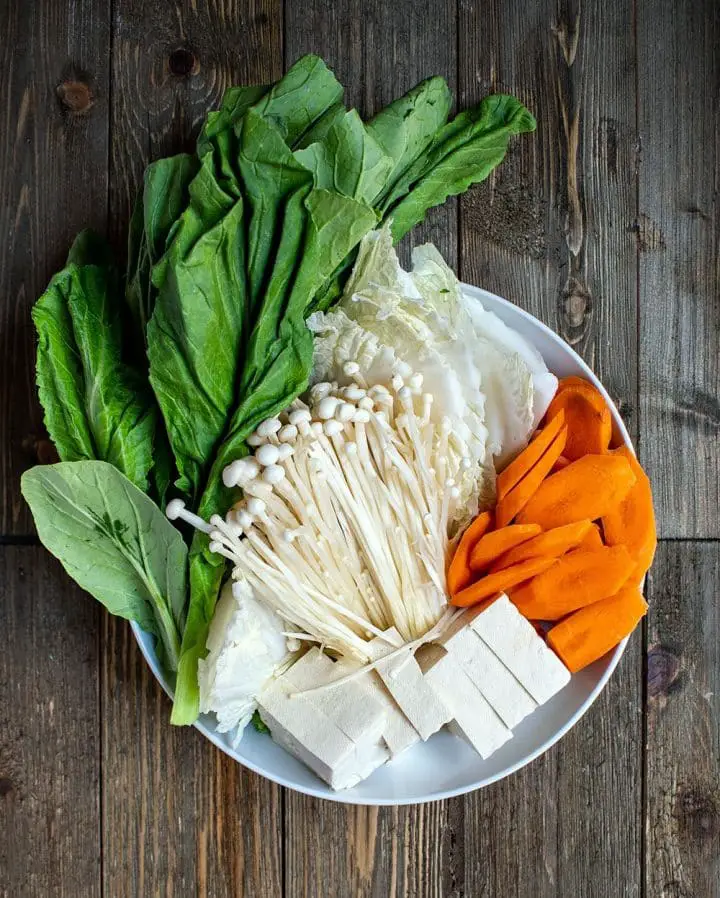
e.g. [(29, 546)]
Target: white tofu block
[(416, 698), (351, 706), (505, 694), (513, 639), (306, 732), (398, 733), (473, 718)]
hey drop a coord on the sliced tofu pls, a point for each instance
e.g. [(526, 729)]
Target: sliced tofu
[(300, 727), (503, 692), (473, 718), (351, 706), (398, 733), (404, 680), (514, 641)]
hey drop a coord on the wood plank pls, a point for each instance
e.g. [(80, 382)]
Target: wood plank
[(683, 727), (179, 818), (49, 731), (378, 51), (354, 851), (551, 231), (678, 233), (53, 182)]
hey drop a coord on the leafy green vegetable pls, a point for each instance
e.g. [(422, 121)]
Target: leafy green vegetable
[(229, 250), (462, 153), (406, 127), (163, 199), (348, 159), (114, 542), (258, 723), (95, 405)]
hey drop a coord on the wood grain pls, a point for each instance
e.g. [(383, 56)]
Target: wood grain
[(179, 818), (53, 182), (683, 726), (552, 231), (49, 731), (378, 51), (678, 232)]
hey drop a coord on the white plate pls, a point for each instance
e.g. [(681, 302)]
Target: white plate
[(444, 765)]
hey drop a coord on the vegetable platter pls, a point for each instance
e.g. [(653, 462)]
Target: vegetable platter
[(380, 535)]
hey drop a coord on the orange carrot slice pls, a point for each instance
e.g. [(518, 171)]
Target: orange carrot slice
[(589, 633), (632, 522), (459, 573), (593, 539), (494, 544), (579, 578), (529, 457), (551, 544), (501, 581), (590, 487), (587, 416), (522, 493)]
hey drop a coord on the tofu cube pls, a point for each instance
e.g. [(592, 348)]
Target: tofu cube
[(514, 641), (473, 718), (405, 682), (503, 692)]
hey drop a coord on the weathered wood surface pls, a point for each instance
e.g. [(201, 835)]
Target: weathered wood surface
[(683, 724), (678, 231), (49, 731), (604, 224)]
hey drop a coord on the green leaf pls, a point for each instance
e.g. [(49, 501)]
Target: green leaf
[(406, 127), (95, 405), (164, 197), (114, 542), (463, 153), (348, 159), (299, 99)]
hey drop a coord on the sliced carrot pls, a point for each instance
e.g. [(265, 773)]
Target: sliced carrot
[(632, 522), (587, 416), (529, 457), (579, 578), (551, 544), (494, 544), (459, 573), (589, 633), (522, 493), (593, 539), (590, 487), (501, 581), (561, 463), (571, 381)]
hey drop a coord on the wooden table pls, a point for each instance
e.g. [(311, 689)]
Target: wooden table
[(605, 224)]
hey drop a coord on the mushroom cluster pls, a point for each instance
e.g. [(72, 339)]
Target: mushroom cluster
[(343, 525)]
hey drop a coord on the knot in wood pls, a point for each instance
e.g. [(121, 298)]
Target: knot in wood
[(6, 787), (75, 96), (663, 668), (182, 62), (698, 815)]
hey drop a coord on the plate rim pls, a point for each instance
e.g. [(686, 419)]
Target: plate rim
[(347, 797)]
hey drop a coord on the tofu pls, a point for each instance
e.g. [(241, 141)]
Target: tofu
[(503, 692), (398, 733), (338, 732), (404, 680), (514, 641), (473, 718), (313, 738), (351, 706)]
